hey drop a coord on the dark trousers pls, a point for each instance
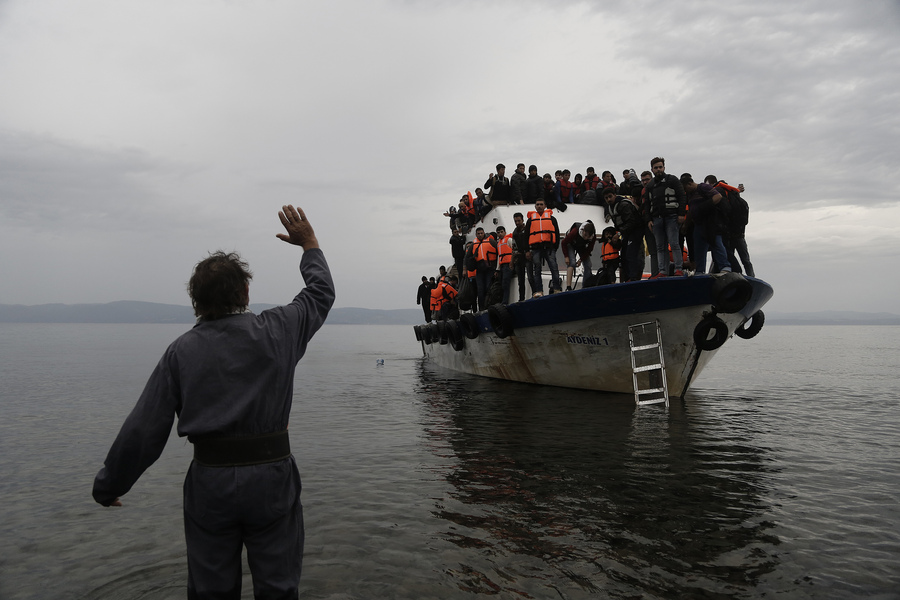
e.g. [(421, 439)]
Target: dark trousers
[(632, 255), (256, 506), (483, 282)]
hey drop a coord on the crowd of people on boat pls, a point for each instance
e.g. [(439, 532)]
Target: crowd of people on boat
[(653, 215)]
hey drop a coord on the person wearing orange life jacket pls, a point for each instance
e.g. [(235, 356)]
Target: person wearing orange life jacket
[(505, 252), (484, 250), (543, 241), (612, 242), (442, 299), (564, 190)]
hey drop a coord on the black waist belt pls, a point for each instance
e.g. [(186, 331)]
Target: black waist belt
[(241, 451)]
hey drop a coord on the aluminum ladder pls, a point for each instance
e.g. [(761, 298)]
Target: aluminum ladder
[(648, 365)]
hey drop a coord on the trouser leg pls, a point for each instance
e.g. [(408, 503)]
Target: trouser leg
[(740, 244), (554, 269), (586, 265), (662, 245), (506, 274), (537, 286), (701, 246), (674, 236), (212, 535), (717, 247), (275, 556), (520, 276)]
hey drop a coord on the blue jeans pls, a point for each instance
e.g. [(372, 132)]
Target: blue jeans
[(537, 256), (665, 230), (702, 246), (585, 261)]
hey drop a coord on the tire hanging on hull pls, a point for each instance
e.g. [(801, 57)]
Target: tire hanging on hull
[(714, 325), (501, 320), (469, 325), (731, 292), (756, 320)]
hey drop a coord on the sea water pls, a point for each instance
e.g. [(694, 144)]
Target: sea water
[(779, 475)]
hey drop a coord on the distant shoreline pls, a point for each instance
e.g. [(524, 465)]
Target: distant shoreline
[(128, 311)]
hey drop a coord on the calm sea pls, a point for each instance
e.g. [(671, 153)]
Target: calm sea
[(779, 476)]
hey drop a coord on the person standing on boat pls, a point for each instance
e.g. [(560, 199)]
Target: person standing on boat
[(709, 223), (458, 251), (504, 261), (484, 251), (522, 266), (499, 185), (518, 184), (627, 219), (230, 382), (534, 185), (543, 241), (667, 206), (738, 217), (423, 297)]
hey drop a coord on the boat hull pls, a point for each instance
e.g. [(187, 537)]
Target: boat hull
[(580, 339)]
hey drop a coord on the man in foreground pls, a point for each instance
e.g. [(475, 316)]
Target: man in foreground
[(230, 381)]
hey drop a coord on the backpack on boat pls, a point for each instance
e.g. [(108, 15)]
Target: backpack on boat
[(738, 209), (465, 297)]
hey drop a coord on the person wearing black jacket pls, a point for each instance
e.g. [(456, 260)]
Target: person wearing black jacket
[(710, 223), (499, 185), (534, 186), (423, 297), (458, 250), (666, 204), (520, 247), (628, 222)]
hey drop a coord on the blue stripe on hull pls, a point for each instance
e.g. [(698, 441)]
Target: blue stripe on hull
[(636, 297)]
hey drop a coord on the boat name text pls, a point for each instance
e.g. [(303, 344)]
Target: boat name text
[(586, 340)]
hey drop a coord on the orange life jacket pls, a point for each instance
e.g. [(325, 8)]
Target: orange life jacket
[(437, 298), (505, 250), (441, 294), (609, 253), (484, 250), (542, 229)]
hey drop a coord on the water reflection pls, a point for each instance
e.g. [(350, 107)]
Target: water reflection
[(596, 496)]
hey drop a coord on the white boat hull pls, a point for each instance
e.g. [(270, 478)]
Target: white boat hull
[(580, 339)]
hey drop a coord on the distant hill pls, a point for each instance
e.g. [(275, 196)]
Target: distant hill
[(129, 311), (832, 317)]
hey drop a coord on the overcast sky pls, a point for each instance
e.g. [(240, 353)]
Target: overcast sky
[(135, 137)]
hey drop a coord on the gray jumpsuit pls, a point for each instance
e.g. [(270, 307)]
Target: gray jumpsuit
[(232, 376)]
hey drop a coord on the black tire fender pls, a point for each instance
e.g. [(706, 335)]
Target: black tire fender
[(713, 325), (469, 325), (455, 336), (731, 292), (442, 332), (418, 331), (426, 334), (501, 320), (756, 320)]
